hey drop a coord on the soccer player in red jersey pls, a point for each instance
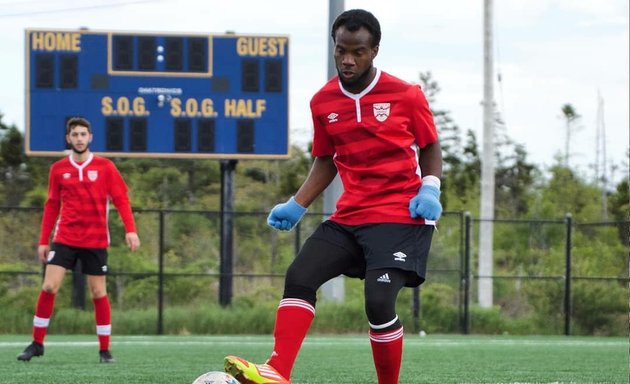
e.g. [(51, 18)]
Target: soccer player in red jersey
[(80, 188), (377, 132)]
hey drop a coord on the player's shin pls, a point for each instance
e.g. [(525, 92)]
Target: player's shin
[(387, 353), (103, 317), (43, 312), (293, 319)]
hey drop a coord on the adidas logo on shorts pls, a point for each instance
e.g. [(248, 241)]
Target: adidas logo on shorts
[(384, 279)]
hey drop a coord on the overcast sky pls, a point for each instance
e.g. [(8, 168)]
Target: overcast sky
[(547, 52)]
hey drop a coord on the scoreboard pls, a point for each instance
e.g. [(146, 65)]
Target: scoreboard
[(157, 94)]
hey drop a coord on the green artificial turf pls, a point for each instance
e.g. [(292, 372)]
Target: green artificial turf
[(323, 359)]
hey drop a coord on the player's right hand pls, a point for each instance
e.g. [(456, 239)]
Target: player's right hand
[(285, 216), (42, 252)]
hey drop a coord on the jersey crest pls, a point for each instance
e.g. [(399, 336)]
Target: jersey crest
[(381, 111), (92, 175)]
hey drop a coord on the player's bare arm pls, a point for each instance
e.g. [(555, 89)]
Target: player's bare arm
[(320, 176), (430, 160)]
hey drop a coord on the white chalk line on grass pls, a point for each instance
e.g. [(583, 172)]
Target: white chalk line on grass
[(328, 341)]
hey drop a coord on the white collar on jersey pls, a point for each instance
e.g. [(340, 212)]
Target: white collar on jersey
[(80, 167), (365, 91)]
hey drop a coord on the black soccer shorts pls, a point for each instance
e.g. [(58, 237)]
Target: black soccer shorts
[(93, 260), (375, 246)]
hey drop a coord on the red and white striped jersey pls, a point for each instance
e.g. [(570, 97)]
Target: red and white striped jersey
[(374, 137), (78, 202)]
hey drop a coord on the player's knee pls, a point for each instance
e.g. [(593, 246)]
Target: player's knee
[(300, 277), (292, 276), (98, 293), (50, 288), (300, 292), (375, 303), (379, 308)]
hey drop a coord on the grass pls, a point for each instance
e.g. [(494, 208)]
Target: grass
[(324, 359)]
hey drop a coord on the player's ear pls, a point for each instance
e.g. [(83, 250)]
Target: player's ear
[(374, 51)]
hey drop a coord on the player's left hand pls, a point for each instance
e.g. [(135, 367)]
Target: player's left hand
[(132, 240), (426, 203), (285, 216)]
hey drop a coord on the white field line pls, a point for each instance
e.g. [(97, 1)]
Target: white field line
[(327, 341)]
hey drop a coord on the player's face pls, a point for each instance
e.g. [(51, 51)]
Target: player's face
[(354, 55), (79, 139)]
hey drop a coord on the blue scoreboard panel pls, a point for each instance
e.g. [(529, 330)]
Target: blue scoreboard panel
[(159, 95)]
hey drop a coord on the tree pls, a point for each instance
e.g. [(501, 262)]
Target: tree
[(514, 184), (514, 175), (571, 117), (13, 167), (450, 133), (461, 160), (565, 192), (620, 209)]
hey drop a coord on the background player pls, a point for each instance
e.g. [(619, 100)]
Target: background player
[(377, 131), (80, 187)]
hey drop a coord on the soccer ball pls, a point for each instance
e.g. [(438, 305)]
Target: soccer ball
[(215, 377)]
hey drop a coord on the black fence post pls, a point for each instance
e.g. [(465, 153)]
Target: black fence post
[(227, 232), (466, 275), (567, 275), (78, 287), (160, 320), (415, 309)]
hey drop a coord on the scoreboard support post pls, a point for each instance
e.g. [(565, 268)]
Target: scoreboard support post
[(228, 167)]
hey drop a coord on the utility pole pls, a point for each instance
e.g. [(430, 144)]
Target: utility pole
[(333, 290), (600, 154), (486, 211)]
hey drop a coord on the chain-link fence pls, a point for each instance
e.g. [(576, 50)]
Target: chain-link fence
[(549, 276)]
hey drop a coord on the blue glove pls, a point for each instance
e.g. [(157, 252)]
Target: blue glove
[(285, 216), (426, 203)]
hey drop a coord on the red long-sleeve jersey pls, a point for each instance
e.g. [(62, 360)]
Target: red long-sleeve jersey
[(78, 202)]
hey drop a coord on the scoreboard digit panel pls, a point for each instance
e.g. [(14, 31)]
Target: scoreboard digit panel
[(159, 95)]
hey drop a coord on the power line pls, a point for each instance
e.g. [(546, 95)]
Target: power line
[(497, 44), (74, 9)]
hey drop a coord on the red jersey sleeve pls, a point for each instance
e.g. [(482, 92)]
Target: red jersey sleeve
[(51, 208), (422, 118), (322, 143), (119, 194)]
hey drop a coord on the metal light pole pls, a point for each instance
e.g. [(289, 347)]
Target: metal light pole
[(486, 210), (333, 290)]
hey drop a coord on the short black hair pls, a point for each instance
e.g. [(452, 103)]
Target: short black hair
[(354, 19), (74, 121)]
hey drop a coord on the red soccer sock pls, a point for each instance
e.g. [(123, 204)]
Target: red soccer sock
[(293, 319), (103, 316), (43, 312), (387, 354)]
